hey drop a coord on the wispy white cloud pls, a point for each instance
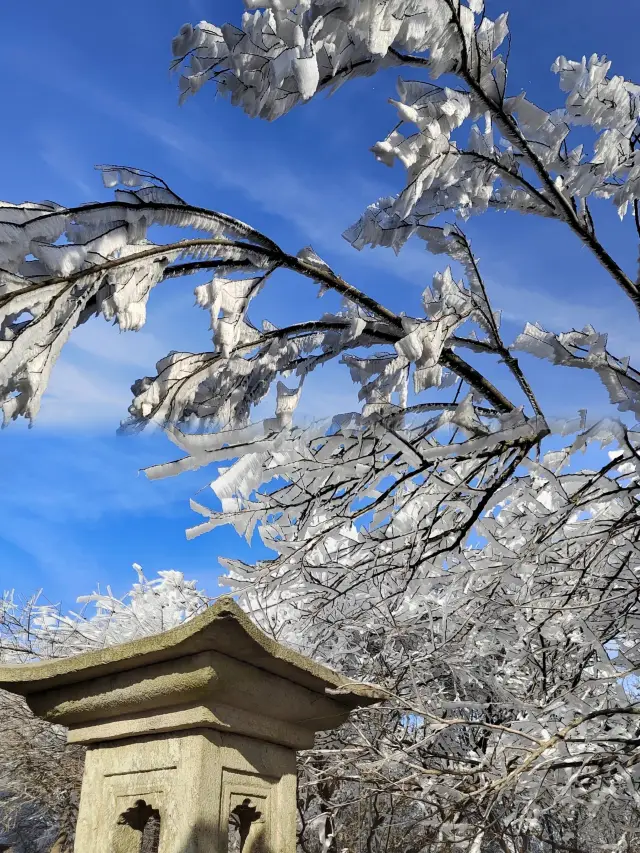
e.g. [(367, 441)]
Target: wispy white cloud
[(57, 151), (52, 550), (326, 392), (81, 398), (272, 186), (137, 349), (67, 488), (199, 8), (90, 384), (521, 303)]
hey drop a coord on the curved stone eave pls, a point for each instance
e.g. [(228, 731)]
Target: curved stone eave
[(223, 627)]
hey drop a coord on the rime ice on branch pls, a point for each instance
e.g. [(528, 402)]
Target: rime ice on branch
[(467, 144)]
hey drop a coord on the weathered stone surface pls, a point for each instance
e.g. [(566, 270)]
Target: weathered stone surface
[(192, 734), (200, 715), (168, 695), (194, 780)]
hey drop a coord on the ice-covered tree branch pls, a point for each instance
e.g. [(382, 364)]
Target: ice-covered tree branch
[(285, 53)]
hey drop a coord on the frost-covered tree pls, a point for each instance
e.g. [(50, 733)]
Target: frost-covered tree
[(40, 773), (445, 540)]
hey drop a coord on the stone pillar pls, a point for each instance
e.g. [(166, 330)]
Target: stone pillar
[(209, 791), (192, 735)]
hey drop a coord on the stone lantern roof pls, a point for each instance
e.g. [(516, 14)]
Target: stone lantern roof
[(216, 671)]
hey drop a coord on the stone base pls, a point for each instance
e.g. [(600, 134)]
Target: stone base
[(199, 791)]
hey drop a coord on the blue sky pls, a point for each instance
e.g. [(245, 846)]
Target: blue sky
[(84, 83)]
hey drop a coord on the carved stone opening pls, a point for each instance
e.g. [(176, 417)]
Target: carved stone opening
[(138, 829), (242, 821)]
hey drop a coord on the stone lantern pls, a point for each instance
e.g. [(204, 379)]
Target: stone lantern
[(191, 734)]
